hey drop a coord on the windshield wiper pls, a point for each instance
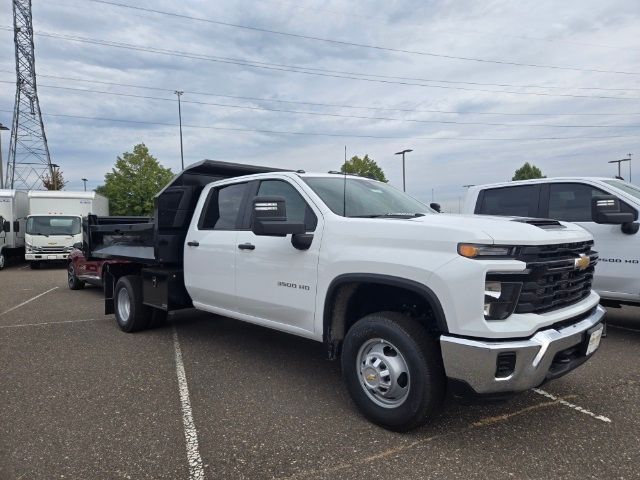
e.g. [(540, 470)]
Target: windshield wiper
[(390, 215)]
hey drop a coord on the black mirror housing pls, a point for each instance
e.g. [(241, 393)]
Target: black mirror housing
[(270, 218), (605, 209), (436, 207), (16, 226), (6, 226), (78, 246)]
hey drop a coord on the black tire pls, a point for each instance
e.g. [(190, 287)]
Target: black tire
[(3, 260), (419, 353), (72, 280), (34, 265), (158, 318), (137, 316)]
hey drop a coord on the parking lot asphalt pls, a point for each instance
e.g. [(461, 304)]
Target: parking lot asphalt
[(79, 399)]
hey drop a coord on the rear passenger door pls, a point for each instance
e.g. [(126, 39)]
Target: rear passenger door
[(618, 271), (516, 201), (211, 246)]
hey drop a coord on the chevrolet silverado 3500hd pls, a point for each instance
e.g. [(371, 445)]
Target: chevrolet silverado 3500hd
[(412, 302)]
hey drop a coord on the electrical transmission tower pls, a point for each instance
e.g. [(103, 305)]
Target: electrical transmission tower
[(29, 159)]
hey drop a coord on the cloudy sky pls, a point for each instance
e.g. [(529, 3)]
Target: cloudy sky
[(553, 83)]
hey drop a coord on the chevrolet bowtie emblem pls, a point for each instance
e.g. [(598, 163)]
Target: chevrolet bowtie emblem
[(371, 377), (582, 262)]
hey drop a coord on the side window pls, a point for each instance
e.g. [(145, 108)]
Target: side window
[(571, 202), (520, 201), (297, 209), (222, 208)]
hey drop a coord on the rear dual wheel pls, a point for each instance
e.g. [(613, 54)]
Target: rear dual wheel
[(131, 314), (393, 370)]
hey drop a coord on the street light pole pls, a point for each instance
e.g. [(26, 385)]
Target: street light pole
[(2, 128), (404, 184), (179, 94), (619, 162), (84, 180)]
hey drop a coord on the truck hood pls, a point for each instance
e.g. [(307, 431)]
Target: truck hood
[(506, 230)]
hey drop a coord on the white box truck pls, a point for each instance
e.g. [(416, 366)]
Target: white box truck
[(14, 207), (54, 223)]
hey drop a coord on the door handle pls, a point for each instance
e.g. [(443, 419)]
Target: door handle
[(193, 244), (246, 246)]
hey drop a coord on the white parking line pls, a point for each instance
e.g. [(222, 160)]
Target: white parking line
[(196, 471), (617, 327), (51, 323), (30, 300), (572, 405)]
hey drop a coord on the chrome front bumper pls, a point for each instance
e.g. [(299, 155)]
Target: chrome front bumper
[(474, 362), (43, 257)]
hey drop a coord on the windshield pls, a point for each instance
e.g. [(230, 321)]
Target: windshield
[(53, 225), (625, 187), (365, 198)]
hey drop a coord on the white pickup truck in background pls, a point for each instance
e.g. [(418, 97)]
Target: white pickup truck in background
[(613, 224), (412, 302)]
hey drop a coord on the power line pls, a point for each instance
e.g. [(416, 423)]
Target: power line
[(359, 45), (306, 70), (324, 114), (327, 134), (332, 105)]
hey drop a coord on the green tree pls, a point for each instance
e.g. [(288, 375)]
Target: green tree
[(365, 167), (55, 181), (527, 172), (133, 182)]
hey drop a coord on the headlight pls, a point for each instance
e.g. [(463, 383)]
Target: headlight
[(28, 247), (500, 299), (471, 250)]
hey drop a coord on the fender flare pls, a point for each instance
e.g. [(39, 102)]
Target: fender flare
[(419, 288)]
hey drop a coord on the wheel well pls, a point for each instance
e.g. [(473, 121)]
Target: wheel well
[(349, 301)]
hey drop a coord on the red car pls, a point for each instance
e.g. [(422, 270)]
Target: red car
[(81, 271)]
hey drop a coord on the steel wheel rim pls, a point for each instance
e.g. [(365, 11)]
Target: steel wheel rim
[(70, 275), (124, 304), (1, 261), (383, 373)]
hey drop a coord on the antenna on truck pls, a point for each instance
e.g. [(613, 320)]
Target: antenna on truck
[(344, 190)]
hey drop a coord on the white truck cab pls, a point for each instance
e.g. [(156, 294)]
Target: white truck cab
[(571, 199), (14, 207), (54, 223)]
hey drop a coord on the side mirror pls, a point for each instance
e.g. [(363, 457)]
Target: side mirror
[(6, 226), (605, 209), (436, 207), (270, 218), (16, 226), (78, 245)]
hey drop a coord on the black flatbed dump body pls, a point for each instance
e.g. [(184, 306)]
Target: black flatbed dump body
[(160, 240)]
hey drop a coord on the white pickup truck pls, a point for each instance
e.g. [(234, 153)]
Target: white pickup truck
[(605, 207), (412, 302)]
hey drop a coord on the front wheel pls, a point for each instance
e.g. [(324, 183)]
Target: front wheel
[(393, 370), (3, 260), (72, 280), (34, 265), (130, 312)]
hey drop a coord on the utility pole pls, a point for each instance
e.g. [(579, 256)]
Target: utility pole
[(54, 177), (404, 184), (179, 94), (619, 162), (2, 129), (29, 160), (84, 180)]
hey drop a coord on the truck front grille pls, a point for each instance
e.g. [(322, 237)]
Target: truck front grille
[(52, 250), (552, 280)]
